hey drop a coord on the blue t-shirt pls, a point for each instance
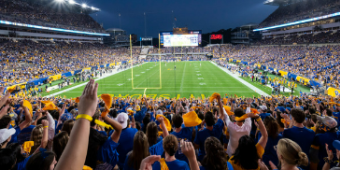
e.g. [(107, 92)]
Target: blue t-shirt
[(269, 152), (202, 135), (230, 167), (139, 116), (173, 165), (302, 136), (108, 153), (25, 134), (14, 138), (126, 141), (186, 135), (22, 165), (264, 115), (157, 149), (321, 140)]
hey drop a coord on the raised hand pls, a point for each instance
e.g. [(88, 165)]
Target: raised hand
[(88, 100)]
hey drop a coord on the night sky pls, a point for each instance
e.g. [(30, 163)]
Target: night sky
[(205, 15)]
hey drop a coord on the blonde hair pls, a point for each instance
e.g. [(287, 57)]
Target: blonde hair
[(291, 152), (36, 136)]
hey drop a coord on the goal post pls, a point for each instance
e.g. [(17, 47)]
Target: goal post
[(159, 64)]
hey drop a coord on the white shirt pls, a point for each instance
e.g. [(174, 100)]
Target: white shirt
[(236, 132)]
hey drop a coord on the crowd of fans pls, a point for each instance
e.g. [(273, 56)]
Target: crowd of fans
[(38, 13), (219, 132), (316, 38), (24, 61), (304, 9), (316, 63)]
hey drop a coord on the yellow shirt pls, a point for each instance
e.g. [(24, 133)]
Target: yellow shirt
[(260, 152)]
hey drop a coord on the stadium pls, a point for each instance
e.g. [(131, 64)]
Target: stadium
[(152, 94)]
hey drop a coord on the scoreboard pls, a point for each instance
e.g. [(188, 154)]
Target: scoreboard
[(191, 39)]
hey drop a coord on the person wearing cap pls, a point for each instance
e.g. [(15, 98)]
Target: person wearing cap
[(5, 136), (126, 138), (327, 165), (299, 133), (318, 151), (140, 112)]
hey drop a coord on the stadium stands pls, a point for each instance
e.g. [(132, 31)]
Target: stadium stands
[(38, 13), (221, 131), (301, 10)]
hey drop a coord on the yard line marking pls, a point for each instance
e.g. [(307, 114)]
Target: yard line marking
[(145, 80), (183, 76), (257, 90)]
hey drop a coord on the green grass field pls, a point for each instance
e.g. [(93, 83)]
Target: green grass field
[(187, 80)]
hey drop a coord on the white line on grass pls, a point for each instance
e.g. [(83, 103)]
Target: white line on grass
[(181, 89), (172, 91), (146, 79), (257, 90), (79, 85)]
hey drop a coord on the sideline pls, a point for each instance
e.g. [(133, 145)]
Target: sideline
[(257, 90), (83, 84)]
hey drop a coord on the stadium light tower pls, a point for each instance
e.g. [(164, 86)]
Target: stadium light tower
[(71, 2), (84, 5)]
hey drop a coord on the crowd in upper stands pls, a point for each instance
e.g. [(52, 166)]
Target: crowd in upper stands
[(37, 13), (312, 38), (217, 133), (304, 9)]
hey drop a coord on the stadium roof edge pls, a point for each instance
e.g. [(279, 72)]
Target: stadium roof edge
[(114, 29), (298, 22), (9, 23), (281, 2)]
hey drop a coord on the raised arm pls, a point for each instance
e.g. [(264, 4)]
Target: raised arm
[(61, 113), (74, 154), (44, 139), (117, 128), (165, 131), (264, 138), (28, 119), (220, 106)]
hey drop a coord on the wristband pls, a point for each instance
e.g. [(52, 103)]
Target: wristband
[(327, 160), (258, 119), (84, 116), (45, 127)]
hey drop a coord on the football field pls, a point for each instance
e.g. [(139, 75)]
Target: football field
[(174, 79)]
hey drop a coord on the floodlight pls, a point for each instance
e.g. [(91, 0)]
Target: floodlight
[(71, 2), (84, 5), (59, 1), (93, 8)]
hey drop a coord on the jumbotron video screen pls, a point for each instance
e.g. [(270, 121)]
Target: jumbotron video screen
[(191, 39), (181, 40)]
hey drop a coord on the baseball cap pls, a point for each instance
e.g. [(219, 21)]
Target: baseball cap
[(263, 108), (5, 134), (122, 119), (336, 144), (328, 121), (159, 112)]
